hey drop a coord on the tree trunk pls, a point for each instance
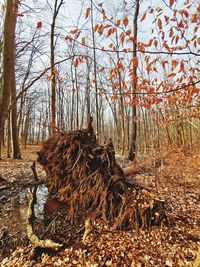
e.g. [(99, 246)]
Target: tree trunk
[(95, 72), (8, 61), (132, 151), (53, 79), (87, 91), (77, 98), (39, 129), (73, 96), (14, 129), (53, 74), (121, 103), (8, 148), (16, 154)]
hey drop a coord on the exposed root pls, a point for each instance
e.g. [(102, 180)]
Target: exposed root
[(85, 176), (87, 229)]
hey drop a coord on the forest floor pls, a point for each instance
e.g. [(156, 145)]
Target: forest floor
[(171, 173)]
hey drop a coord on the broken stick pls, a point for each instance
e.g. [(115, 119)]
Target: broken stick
[(35, 240)]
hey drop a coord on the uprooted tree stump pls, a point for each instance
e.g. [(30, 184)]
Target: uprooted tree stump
[(86, 177)]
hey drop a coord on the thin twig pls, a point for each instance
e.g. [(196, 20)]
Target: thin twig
[(48, 227)]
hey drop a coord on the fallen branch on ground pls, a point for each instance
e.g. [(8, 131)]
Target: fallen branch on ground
[(38, 243), (35, 240)]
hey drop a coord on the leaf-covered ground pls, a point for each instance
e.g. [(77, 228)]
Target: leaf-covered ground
[(171, 173)]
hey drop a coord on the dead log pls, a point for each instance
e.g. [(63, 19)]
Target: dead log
[(86, 177)]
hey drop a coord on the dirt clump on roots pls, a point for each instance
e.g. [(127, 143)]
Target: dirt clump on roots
[(85, 177)]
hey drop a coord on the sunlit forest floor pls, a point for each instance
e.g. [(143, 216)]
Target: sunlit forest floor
[(171, 173)]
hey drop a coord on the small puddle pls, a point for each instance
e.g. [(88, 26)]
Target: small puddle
[(41, 196), (13, 217)]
